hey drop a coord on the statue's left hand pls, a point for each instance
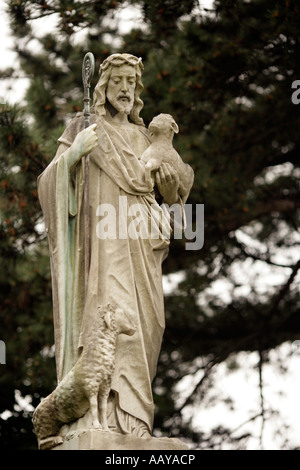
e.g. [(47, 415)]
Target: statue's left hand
[(167, 181)]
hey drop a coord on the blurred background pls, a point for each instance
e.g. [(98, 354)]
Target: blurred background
[(228, 370)]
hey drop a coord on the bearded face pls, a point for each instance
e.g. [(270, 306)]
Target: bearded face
[(121, 87)]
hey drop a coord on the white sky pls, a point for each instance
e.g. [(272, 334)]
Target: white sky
[(281, 391)]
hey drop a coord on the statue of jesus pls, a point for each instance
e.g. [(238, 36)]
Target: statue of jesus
[(125, 271)]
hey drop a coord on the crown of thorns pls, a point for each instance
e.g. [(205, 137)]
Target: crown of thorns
[(119, 59)]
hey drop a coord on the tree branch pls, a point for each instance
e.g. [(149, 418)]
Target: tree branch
[(292, 156), (261, 394), (259, 257), (205, 376), (285, 288), (263, 208)]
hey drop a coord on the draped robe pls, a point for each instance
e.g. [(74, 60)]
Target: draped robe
[(124, 271)]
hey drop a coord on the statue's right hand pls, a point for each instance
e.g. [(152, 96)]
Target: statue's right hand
[(84, 142)]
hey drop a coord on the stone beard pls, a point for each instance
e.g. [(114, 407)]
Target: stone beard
[(123, 272)]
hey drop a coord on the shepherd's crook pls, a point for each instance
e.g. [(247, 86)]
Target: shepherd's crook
[(88, 67)]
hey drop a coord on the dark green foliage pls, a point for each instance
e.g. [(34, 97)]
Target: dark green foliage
[(226, 77)]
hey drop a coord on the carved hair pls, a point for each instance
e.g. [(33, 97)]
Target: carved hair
[(99, 97)]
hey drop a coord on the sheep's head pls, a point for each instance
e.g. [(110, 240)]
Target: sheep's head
[(117, 320), (163, 124)]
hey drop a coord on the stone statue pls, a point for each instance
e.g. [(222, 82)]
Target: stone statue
[(162, 129), (124, 265), (87, 385)]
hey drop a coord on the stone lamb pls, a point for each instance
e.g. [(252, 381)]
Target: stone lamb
[(89, 379), (162, 129)]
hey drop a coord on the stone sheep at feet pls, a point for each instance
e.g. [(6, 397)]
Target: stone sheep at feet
[(89, 379)]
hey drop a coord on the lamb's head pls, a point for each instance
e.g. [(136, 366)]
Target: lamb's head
[(163, 124), (119, 321)]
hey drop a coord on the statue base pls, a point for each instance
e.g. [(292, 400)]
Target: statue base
[(96, 439)]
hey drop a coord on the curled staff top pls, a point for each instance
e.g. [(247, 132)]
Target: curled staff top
[(88, 67)]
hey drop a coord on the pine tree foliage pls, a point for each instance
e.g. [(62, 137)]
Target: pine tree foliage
[(226, 76)]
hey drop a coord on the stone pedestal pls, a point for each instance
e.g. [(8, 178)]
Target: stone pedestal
[(96, 439)]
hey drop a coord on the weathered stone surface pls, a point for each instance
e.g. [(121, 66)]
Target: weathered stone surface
[(96, 439), (105, 199), (161, 150)]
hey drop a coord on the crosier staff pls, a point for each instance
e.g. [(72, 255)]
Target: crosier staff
[(88, 67)]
